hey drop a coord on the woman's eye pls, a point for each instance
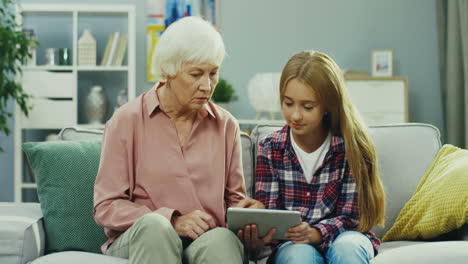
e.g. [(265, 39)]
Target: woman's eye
[(196, 74), (288, 103), (308, 108), (213, 73)]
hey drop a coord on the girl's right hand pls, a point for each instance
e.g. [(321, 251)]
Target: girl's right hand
[(249, 236)]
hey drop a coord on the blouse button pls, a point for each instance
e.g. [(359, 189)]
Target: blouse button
[(308, 194)]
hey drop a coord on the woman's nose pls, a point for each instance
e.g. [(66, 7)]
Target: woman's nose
[(205, 84)]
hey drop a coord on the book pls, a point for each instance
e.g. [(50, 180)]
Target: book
[(113, 48), (106, 51), (121, 48)]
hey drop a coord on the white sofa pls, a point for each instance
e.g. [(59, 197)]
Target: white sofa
[(404, 151)]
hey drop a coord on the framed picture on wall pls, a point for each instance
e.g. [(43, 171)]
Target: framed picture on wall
[(382, 62), (161, 13)]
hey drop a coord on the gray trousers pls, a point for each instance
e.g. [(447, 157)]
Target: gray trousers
[(152, 239)]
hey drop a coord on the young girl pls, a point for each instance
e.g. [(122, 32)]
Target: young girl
[(323, 164)]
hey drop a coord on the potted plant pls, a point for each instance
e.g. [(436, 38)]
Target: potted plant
[(14, 50), (223, 93)]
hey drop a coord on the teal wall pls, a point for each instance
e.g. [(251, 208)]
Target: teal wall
[(261, 35)]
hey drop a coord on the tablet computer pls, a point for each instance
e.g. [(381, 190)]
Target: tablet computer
[(265, 219)]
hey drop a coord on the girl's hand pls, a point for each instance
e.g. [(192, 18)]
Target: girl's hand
[(304, 234), (249, 236), (248, 202)]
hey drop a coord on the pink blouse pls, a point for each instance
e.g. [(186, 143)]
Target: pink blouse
[(143, 168)]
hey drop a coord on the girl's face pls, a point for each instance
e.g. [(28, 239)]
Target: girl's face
[(301, 109)]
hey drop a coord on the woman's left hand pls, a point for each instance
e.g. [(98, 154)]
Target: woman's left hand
[(304, 234), (248, 202)]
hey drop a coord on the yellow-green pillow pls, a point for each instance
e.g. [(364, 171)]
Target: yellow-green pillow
[(440, 203)]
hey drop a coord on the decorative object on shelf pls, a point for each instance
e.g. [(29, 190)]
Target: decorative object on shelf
[(96, 105), (110, 53), (31, 35), (51, 57), (122, 98), (64, 56), (52, 137), (223, 94), (16, 44), (382, 63), (263, 92), (86, 49)]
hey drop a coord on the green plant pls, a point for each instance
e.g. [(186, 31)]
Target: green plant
[(223, 92), (14, 51)]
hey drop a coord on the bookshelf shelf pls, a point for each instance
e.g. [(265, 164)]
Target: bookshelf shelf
[(48, 68), (102, 68), (59, 92)]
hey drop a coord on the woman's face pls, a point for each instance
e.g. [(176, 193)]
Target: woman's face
[(194, 84), (301, 108)]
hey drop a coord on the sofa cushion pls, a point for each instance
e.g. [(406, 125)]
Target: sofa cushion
[(405, 252), (21, 233), (74, 257), (440, 202), (65, 173)]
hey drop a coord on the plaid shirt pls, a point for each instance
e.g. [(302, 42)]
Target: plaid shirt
[(329, 203)]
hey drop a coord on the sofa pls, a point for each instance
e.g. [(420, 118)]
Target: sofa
[(404, 151)]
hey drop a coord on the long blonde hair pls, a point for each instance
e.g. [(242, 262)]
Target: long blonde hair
[(322, 74)]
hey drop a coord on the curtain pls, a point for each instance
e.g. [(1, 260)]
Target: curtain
[(452, 20)]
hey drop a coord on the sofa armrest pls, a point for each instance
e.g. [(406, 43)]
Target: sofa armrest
[(22, 237)]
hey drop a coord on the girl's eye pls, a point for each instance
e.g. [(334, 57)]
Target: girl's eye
[(308, 108), (213, 73), (196, 74), (288, 103)]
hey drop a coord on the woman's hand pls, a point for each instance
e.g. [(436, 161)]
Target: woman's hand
[(249, 236), (194, 224), (304, 234), (248, 202)]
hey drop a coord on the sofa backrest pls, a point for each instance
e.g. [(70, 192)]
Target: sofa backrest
[(404, 152), (75, 133)]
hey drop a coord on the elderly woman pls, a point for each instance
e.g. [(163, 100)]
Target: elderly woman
[(171, 160)]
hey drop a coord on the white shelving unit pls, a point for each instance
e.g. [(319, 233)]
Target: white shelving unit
[(58, 91)]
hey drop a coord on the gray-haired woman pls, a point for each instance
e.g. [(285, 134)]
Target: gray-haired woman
[(171, 160)]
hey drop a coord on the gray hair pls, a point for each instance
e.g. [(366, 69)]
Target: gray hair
[(189, 39)]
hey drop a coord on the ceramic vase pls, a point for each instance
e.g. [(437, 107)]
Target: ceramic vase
[(96, 105)]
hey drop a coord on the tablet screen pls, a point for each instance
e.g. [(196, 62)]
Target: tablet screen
[(265, 219)]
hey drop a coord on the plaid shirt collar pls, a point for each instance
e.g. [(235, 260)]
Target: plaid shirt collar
[(283, 141)]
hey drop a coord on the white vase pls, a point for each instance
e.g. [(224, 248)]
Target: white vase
[(96, 105)]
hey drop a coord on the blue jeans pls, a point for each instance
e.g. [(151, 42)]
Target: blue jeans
[(350, 247)]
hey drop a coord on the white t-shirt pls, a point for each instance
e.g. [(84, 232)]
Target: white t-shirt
[(311, 161)]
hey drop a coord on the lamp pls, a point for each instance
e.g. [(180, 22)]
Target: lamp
[(263, 91)]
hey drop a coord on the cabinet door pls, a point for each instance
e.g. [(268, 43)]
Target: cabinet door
[(379, 101), (49, 84)]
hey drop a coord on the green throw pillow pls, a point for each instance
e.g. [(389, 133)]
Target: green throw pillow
[(65, 172)]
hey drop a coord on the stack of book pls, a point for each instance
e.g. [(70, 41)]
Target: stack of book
[(115, 49)]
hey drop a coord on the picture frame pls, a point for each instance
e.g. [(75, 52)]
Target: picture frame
[(382, 63)]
